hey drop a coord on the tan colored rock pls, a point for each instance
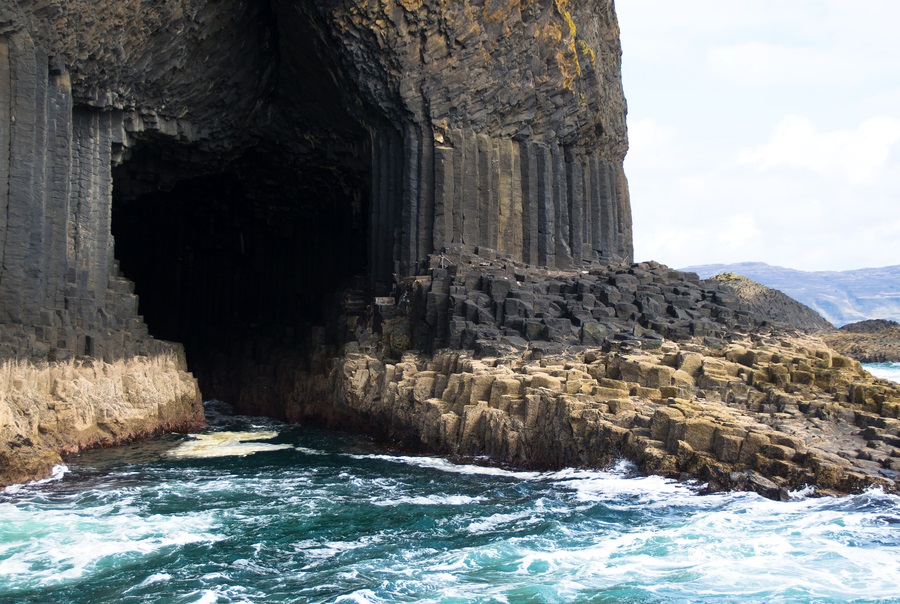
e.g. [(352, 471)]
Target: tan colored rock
[(62, 408)]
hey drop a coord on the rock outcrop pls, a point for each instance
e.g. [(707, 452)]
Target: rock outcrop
[(840, 296), (245, 161), (872, 341), (768, 417), (48, 409), (407, 217), (582, 368), (774, 305)]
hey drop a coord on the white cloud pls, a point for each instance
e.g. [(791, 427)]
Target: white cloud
[(719, 174), (857, 155)]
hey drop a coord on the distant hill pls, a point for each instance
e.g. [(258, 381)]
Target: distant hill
[(773, 304), (840, 296)]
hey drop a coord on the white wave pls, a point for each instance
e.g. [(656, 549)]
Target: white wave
[(56, 474), (887, 371), (308, 451), (155, 578), (225, 444), (362, 596), (428, 500), (742, 547), (207, 596), (48, 546), (443, 465), (619, 483), (498, 521)]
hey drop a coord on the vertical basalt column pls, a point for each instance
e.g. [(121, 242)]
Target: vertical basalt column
[(492, 215), (5, 130), (609, 217), (409, 214), (530, 220), (575, 196), (426, 241), (545, 212), (58, 188), (595, 203), (386, 231), (535, 203), (516, 202), (561, 207), (88, 276), (443, 196), (24, 208), (625, 247), (377, 214), (469, 192), (459, 182), (587, 249), (487, 226), (505, 218)]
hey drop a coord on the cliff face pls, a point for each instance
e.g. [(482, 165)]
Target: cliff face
[(236, 163), (362, 135)]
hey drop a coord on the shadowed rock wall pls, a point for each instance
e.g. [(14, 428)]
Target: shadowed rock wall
[(478, 123), (514, 127)]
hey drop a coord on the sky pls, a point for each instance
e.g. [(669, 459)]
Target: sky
[(763, 130)]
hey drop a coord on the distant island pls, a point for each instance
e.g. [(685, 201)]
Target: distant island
[(840, 296)]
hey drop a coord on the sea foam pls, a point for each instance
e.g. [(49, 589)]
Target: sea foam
[(225, 444)]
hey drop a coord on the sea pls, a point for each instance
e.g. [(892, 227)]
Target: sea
[(254, 510)]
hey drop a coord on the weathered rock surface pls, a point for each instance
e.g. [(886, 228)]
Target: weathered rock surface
[(62, 407), (582, 368), (774, 305), (251, 149), (759, 416), (872, 341), (840, 296), (266, 155)]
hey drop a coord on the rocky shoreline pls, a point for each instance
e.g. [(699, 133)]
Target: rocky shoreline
[(767, 417), (529, 367), (748, 405), (873, 341), (48, 410)]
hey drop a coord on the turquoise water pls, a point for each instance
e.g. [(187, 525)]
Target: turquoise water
[(315, 516), (888, 371)]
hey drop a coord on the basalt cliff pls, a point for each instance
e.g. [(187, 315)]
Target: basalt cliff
[(407, 217)]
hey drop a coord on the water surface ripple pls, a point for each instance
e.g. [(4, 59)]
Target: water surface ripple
[(333, 518)]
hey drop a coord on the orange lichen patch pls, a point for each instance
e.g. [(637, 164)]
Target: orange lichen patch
[(562, 6), (549, 33)]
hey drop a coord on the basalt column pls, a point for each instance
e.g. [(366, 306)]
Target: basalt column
[(503, 126), (243, 177)]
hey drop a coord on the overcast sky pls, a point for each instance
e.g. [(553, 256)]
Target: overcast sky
[(764, 130)]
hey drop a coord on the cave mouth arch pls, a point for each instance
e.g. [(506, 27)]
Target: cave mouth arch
[(240, 258)]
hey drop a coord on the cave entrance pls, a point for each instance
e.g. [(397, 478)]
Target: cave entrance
[(240, 259)]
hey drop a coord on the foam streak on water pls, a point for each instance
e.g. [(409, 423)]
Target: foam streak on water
[(330, 518)]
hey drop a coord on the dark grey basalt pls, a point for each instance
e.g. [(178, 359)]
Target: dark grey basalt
[(244, 161)]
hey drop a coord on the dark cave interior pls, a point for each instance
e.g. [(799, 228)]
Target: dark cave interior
[(239, 246), (228, 256)]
